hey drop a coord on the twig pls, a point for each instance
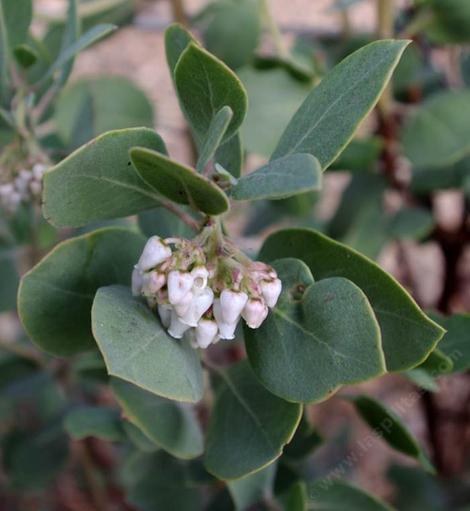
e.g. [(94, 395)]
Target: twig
[(179, 13), (385, 30), (184, 217), (23, 352), (97, 492), (274, 30)]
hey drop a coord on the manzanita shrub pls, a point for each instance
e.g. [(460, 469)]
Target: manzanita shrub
[(210, 352)]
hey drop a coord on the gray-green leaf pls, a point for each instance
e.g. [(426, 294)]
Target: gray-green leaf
[(137, 349), (171, 425), (408, 335), (279, 179), (205, 85), (249, 426), (98, 182), (179, 183), (327, 119), (437, 134), (55, 297), (324, 333), (390, 428)]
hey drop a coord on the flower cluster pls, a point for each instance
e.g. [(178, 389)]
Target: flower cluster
[(201, 288), (25, 186)]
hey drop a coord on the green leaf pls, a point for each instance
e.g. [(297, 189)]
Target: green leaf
[(25, 55), (249, 426), (274, 96), (214, 136), (9, 279), (87, 39), (92, 106), (305, 440), (205, 85), (137, 349), (437, 134), (177, 39), (164, 484), (451, 21), (325, 333), (232, 34), (179, 183), (422, 379), (35, 459), (94, 421), (170, 425), (230, 156), (295, 498), (248, 491), (411, 223), (279, 179), (456, 342), (139, 438), (359, 220), (390, 428), (360, 155), (18, 15), (408, 335), (98, 182), (437, 363), (55, 297), (331, 495), (15, 18), (70, 35), (164, 223), (331, 113)]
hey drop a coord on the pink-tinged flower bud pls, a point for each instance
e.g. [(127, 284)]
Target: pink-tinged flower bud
[(206, 332), (38, 171), (137, 281), (179, 285), (200, 276), (164, 311), (254, 313), (232, 303), (182, 307), (199, 305), (177, 329), (154, 253), (152, 282), (226, 330), (271, 290)]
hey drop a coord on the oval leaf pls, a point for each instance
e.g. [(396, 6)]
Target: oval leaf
[(137, 349), (390, 428), (171, 425), (408, 335), (179, 183), (327, 119), (205, 85), (97, 181), (325, 334), (279, 179), (332, 495), (94, 421), (92, 106), (55, 297), (249, 426), (437, 134)]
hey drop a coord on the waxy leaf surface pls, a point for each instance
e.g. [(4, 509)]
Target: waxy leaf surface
[(319, 336), (408, 335), (137, 349)]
